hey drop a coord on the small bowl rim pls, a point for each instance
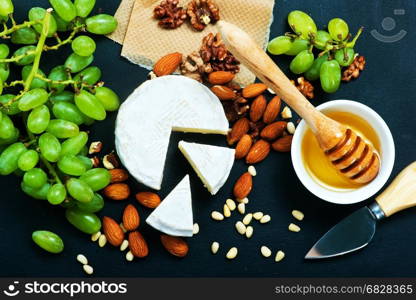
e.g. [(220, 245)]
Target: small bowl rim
[(387, 155)]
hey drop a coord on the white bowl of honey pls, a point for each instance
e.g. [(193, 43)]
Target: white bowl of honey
[(318, 174)]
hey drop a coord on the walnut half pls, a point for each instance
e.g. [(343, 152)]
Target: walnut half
[(171, 15), (202, 13)]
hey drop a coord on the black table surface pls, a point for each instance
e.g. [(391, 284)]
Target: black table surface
[(387, 85)]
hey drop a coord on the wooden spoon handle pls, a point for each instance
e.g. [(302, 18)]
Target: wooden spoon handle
[(401, 193)]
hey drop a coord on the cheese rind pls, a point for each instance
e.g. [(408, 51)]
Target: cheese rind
[(174, 214), (211, 163)]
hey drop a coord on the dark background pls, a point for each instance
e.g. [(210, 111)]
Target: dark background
[(388, 85)]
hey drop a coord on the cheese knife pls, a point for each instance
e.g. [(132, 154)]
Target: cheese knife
[(357, 230)]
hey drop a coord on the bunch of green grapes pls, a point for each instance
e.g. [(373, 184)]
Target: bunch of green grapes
[(41, 124), (335, 46)]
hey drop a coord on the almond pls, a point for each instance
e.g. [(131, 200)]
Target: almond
[(131, 218), (138, 245), (254, 90), (273, 131), (258, 152), (113, 231), (174, 245), (220, 77), (117, 191), (167, 64), (257, 108), (243, 186), (283, 144), (148, 199), (118, 175), (224, 93), (240, 128), (272, 110), (243, 146)]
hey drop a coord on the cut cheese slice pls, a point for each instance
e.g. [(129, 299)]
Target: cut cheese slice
[(212, 163), (145, 121), (174, 214)]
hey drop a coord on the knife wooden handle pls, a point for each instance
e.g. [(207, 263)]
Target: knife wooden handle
[(401, 193)]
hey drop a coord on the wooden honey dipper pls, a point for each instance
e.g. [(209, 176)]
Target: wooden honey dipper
[(349, 153)]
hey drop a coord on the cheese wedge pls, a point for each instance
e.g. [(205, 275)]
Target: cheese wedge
[(148, 116), (211, 163), (174, 214)]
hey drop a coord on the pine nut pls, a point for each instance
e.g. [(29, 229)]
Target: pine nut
[(124, 245), (291, 128), (241, 208), (232, 253), (252, 170), (82, 259), (122, 228), (294, 227), (298, 215), (214, 247), (226, 211), (241, 228), (88, 269), (258, 215), (95, 236), (286, 113), (195, 230), (265, 251), (102, 240), (247, 219), (265, 219), (231, 204), (244, 200), (217, 216), (129, 256), (271, 91), (249, 231), (279, 256)]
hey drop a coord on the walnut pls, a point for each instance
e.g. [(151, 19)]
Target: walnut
[(304, 86), (353, 71), (202, 12), (194, 67), (255, 129), (171, 15)]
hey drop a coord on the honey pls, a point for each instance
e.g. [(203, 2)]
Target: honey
[(317, 163)]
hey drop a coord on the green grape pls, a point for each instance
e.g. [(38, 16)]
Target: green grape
[(86, 222), (36, 82), (90, 105), (84, 7), (97, 178), (4, 71), (330, 76), (57, 74), (62, 129), (298, 45), (84, 151), (28, 160), (83, 45), (86, 161), (90, 75), (61, 25), (40, 194), (6, 7), (79, 190), (65, 96), (101, 24), (74, 145), (69, 202), (38, 119), (4, 50), (279, 45), (95, 205), (24, 36), (68, 111), (301, 23), (71, 165), (315, 69), (7, 107), (76, 63), (338, 29), (9, 158), (28, 59), (4, 19), (1, 86), (49, 146), (322, 39), (108, 98), (48, 241), (35, 178), (38, 14), (7, 128), (302, 62), (345, 56), (56, 194), (10, 140), (65, 9), (32, 99)]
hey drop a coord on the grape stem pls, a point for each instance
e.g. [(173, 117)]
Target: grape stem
[(352, 43), (66, 41), (16, 27)]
